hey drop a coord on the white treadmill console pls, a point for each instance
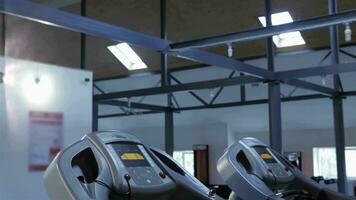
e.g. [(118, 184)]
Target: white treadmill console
[(255, 171), (112, 165)]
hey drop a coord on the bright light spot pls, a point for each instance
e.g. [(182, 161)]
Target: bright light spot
[(9, 80), (277, 18), (288, 39), (127, 56), (285, 39), (37, 92)]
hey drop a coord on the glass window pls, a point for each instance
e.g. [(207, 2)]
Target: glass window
[(350, 156), (324, 160), (186, 159)]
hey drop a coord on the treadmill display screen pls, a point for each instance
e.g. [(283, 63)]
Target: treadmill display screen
[(265, 154), (130, 155)]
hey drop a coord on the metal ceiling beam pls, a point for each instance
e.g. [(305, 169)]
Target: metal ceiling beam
[(59, 3), (128, 114), (222, 61), (221, 89), (252, 102), (133, 105), (69, 21), (202, 66), (196, 96), (236, 104), (262, 101), (182, 87), (311, 86), (316, 71), (58, 18), (312, 23)]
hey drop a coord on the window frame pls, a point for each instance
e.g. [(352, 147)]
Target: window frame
[(316, 163)]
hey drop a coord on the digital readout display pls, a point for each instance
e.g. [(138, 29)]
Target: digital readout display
[(130, 155), (265, 154)]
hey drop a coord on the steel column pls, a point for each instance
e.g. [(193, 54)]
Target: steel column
[(83, 12), (242, 90), (95, 119), (338, 107), (274, 92), (166, 81)]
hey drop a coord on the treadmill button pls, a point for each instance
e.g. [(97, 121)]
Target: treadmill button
[(127, 177), (162, 175)]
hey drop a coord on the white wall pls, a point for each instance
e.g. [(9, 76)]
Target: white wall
[(215, 135), (68, 94)]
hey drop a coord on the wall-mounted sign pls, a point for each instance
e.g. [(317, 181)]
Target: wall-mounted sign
[(46, 138)]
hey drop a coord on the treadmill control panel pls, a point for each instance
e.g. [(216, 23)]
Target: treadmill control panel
[(274, 167), (138, 164), (144, 176), (277, 170)]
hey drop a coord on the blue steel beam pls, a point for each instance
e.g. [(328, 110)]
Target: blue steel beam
[(133, 105), (69, 21), (307, 24), (316, 71), (339, 128), (312, 86), (180, 87), (54, 17)]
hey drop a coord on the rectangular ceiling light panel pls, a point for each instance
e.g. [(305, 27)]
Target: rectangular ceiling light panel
[(285, 39), (127, 56)]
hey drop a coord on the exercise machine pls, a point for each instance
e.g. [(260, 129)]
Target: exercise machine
[(114, 166), (255, 171)]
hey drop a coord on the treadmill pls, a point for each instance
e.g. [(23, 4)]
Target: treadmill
[(114, 166), (254, 171)]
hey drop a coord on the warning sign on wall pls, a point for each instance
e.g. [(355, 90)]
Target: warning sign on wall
[(46, 138)]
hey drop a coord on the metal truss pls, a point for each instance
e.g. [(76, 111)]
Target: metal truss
[(55, 17), (188, 50)]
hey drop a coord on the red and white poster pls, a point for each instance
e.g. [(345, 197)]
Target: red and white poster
[(46, 138)]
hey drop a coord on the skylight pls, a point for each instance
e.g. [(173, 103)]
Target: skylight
[(127, 56), (285, 39)]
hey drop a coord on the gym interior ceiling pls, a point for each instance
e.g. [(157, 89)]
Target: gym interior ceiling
[(186, 19)]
